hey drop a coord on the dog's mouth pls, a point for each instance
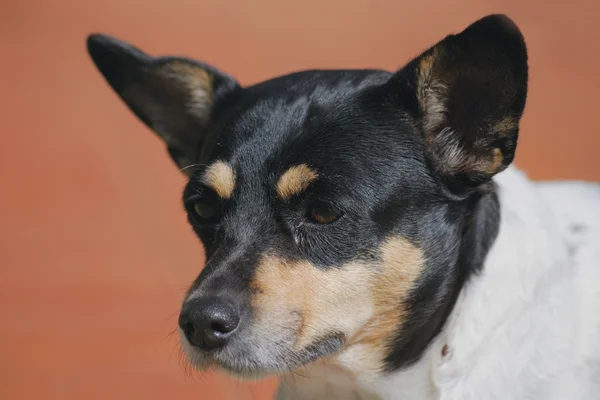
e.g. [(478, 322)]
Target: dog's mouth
[(261, 359)]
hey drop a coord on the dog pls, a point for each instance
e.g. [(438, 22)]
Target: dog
[(367, 235)]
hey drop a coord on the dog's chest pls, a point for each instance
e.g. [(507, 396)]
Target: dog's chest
[(322, 381), (322, 390)]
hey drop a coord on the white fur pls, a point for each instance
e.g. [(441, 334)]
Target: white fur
[(527, 327)]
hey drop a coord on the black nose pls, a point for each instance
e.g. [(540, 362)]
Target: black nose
[(209, 321)]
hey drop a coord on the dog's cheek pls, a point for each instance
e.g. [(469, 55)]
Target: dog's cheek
[(299, 303), (402, 263)]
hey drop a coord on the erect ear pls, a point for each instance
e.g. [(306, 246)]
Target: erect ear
[(174, 96), (468, 94)]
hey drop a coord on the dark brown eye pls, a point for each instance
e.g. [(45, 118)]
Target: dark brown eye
[(205, 210), (322, 214)]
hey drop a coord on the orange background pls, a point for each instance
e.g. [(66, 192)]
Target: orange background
[(95, 252)]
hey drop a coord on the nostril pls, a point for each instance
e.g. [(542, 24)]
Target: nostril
[(219, 327), (188, 328)]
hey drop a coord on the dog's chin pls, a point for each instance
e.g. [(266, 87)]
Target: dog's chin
[(245, 375), (211, 362), (243, 365), (202, 362)]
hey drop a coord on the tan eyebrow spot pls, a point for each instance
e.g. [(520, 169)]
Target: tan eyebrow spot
[(221, 178), (295, 180)]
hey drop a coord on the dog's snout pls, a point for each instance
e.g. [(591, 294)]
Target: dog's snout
[(209, 321)]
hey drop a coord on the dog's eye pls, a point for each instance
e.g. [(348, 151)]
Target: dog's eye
[(205, 211), (322, 214)]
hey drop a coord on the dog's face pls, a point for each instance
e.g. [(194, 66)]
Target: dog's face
[(333, 205)]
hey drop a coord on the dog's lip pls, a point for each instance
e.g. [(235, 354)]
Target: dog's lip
[(248, 369), (324, 347), (238, 369), (243, 372), (208, 363)]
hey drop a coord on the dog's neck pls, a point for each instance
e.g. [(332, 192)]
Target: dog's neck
[(513, 268)]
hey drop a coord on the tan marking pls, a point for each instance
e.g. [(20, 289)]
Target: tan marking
[(433, 81), (490, 165), (221, 178), (198, 83), (311, 300), (402, 264), (295, 180), (363, 301), (188, 72), (431, 92), (496, 163), (188, 89), (426, 65), (506, 126)]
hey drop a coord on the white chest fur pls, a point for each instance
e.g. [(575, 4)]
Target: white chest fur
[(528, 327)]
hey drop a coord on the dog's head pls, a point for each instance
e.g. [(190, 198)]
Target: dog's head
[(341, 211)]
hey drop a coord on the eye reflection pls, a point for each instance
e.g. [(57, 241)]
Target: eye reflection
[(323, 214)]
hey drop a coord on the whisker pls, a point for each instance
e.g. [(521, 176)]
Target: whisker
[(168, 336), (191, 166)]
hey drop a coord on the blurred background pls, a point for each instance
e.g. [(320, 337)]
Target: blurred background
[(95, 252)]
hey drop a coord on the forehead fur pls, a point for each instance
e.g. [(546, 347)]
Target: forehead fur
[(295, 180), (363, 301), (221, 178)]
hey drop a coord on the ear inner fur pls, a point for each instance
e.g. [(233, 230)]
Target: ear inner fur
[(175, 96), (471, 89)]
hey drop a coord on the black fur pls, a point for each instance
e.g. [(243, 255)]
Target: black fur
[(363, 131)]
